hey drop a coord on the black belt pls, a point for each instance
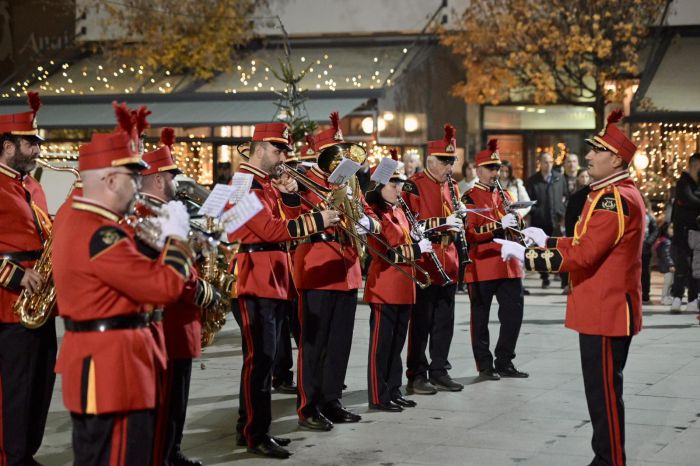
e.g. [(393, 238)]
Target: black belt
[(258, 247), (131, 321), (21, 256), (321, 238)]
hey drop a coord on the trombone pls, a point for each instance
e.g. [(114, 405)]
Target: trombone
[(324, 193)]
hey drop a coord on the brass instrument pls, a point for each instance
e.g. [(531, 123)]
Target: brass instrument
[(464, 247), (416, 228), (326, 196), (34, 309), (507, 205)]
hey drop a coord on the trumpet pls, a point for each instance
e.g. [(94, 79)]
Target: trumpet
[(326, 195), (446, 280)]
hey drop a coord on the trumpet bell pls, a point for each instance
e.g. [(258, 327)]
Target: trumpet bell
[(330, 157)]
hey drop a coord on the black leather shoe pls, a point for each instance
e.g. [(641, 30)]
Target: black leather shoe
[(281, 441), (316, 422), (444, 383), (420, 386), (489, 374), (526, 292), (182, 460), (545, 284), (389, 406), (404, 402), (339, 415), (512, 372), (268, 447), (288, 388)]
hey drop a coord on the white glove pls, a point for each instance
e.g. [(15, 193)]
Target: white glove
[(534, 235), (174, 222), (454, 222), (509, 221), (348, 192), (418, 233), (511, 249), (425, 245), (363, 227)]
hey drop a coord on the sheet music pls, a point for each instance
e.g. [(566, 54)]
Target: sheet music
[(241, 184), (386, 168), (344, 171), (246, 208), (216, 201)]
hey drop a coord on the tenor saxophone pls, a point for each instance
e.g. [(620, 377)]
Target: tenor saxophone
[(34, 309)]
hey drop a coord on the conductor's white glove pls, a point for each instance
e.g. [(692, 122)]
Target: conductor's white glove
[(175, 221), (364, 225), (418, 233), (534, 235), (509, 221), (454, 222), (425, 245), (511, 249)]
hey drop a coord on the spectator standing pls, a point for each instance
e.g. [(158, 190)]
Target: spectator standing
[(651, 232), (570, 175), (664, 260), (547, 188), (513, 185), (686, 208)]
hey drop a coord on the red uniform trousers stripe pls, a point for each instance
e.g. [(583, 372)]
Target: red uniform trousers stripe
[(374, 386), (302, 400), (247, 369)]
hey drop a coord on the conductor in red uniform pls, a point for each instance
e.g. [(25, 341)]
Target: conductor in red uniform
[(27, 356), (428, 196), (327, 274), (488, 276), (604, 260), (110, 360), (264, 279)]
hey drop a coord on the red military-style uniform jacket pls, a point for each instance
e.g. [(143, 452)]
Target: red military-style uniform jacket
[(99, 273), (431, 202), (329, 265), (480, 232), (385, 284), (604, 260), (266, 274), (182, 320), (25, 226)]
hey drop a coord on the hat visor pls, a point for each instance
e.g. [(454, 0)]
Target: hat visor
[(490, 165), (281, 146), (243, 150), (398, 177), (134, 163), (596, 145)]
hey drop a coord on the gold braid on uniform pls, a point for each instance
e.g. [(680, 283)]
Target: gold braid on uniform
[(305, 225), (543, 259), (205, 294), (178, 255), (11, 275), (404, 253)]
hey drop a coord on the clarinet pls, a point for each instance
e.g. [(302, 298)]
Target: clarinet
[(507, 206), (455, 205), (415, 227)]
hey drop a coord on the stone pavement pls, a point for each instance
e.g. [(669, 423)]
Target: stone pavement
[(538, 421)]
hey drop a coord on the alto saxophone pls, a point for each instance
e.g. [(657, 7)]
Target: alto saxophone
[(34, 309)]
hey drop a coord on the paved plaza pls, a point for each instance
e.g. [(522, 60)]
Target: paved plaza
[(538, 421)]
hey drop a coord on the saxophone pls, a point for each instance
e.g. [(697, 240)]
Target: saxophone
[(34, 309)]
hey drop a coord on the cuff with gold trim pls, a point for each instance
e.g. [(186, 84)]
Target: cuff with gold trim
[(404, 253), (11, 275), (291, 199), (305, 225), (543, 259)]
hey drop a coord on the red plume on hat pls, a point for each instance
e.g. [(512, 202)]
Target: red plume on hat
[(449, 133), (310, 140), (394, 154), (335, 120), (34, 101), (123, 113), (615, 116), (492, 145), (140, 122), (167, 137)]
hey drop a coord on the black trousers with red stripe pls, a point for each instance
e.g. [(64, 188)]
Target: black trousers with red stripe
[(176, 390), (602, 362), (388, 326), (432, 318), (509, 294), (327, 319), (118, 439), (284, 359), (260, 320), (27, 360)]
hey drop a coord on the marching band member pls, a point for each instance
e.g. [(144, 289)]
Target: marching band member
[(488, 276), (110, 360), (327, 275), (390, 295), (264, 280), (427, 194), (27, 356), (181, 320), (604, 261)]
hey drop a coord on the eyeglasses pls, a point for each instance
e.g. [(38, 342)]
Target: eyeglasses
[(135, 177)]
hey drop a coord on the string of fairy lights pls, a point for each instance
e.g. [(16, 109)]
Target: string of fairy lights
[(662, 152)]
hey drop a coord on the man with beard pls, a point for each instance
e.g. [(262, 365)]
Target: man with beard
[(264, 286), (27, 356)]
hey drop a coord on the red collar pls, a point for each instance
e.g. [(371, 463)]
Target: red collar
[(431, 177), (10, 172), (318, 172), (254, 170), (607, 181), (88, 205)]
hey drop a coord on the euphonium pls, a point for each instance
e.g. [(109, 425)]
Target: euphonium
[(35, 309)]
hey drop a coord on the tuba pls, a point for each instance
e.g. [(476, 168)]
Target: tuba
[(35, 309)]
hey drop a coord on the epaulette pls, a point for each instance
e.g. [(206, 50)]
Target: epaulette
[(256, 185), (467, 199), (609, 202), (411, 188), (105, 238)]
